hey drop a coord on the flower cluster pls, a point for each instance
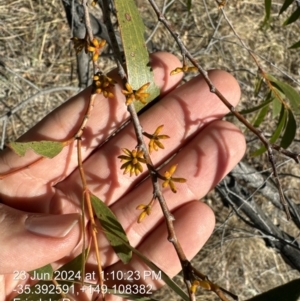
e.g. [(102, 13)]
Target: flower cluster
[(139, 94), (95, 46), (169, 180), (102, 84), (184, 69), (133, 160)]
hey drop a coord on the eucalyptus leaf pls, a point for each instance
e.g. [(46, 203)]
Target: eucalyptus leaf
[(113, 229), (293, 17), (285, 5), (47, 149), (163, 275), (261, 116), (279, 128), (258, 84), (296, 45), (138, 67), (254, 109), (290, 131), (290, 93), (276, 107), (267, 18)]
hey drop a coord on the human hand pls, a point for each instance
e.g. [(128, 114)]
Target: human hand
[(40, 205)]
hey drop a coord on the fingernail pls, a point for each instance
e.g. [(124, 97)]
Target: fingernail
[(52, 225)]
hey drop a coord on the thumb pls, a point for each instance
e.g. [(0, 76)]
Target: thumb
[(29, 241)]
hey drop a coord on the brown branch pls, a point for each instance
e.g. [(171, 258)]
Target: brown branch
[(240, 117)]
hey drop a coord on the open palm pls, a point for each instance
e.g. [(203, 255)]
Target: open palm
[(40, 205)]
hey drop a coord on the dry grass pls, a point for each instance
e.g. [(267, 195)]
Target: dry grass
[(34, 46)]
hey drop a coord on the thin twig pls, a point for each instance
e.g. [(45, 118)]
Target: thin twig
[(240, 117), (87, 199)]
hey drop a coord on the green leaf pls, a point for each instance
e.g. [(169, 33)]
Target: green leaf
[(43, 272), (47, 149), (287, 292), (163, 275), (138, 67), (290, 131), (261, 116), (267, 18), (189, 4), (285, 5), (113, 229), (276, 106), (280, 125), (258, 84), (290, 93), (293, 17), (254, 109), (155, 268), (296, 45)]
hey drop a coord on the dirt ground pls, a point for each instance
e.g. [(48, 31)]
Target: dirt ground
[(40, 74)]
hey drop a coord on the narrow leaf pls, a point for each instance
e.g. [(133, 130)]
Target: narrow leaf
[(267, 19), (280, 126), (287, 292), (290, 131), (47, 149), (285, 5), (276, 107), (113, 229), (162, 275), (136, 55), (290, 93), (254, 109), (296, 45), (293, 17), (258, 84), (261, 116), (189, 4)]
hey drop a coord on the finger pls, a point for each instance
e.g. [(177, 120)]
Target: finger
[(24, 236), (184, 112), (107, 116), (203, 162), (194, 223)]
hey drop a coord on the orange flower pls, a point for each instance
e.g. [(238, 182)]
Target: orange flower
[(133, 160), (202, 283), (139, 94), (154, 142), (169, 180), (146, 210), (96, 47), (184, 69)]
